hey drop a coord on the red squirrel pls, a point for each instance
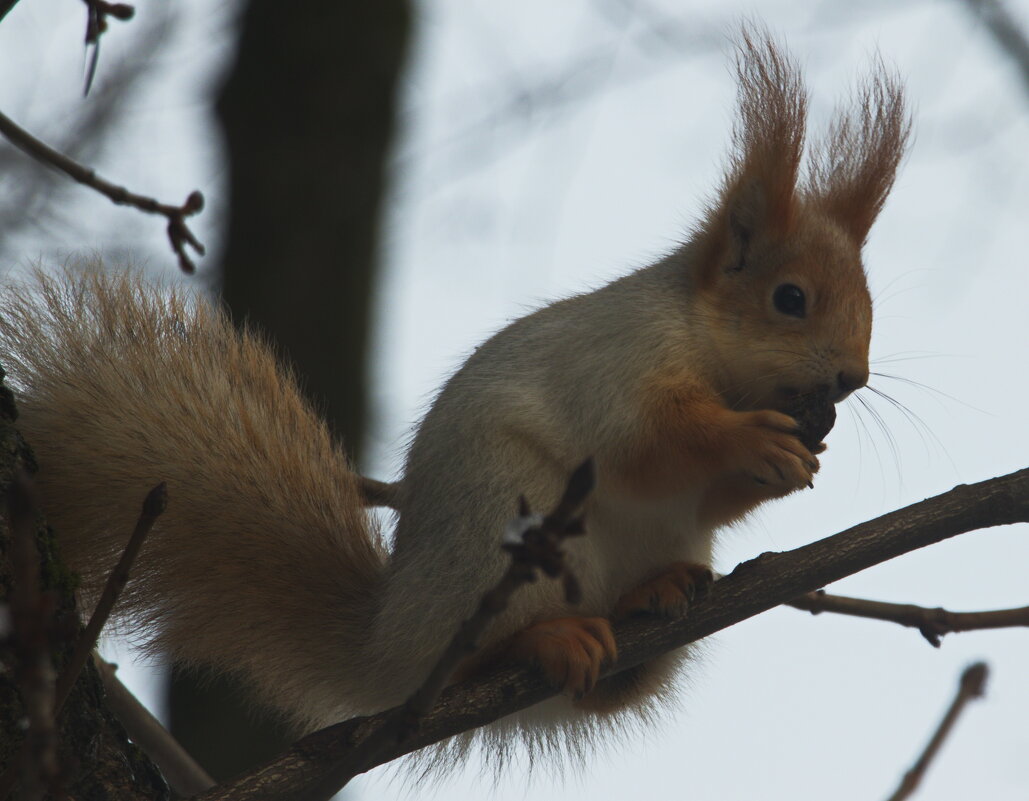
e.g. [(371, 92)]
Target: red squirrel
[(676, 379)]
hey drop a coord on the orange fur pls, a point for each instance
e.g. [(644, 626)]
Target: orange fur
[(570, 650), (849, 175), (121, 387), (669, 593), (854, 166), (695, 441)]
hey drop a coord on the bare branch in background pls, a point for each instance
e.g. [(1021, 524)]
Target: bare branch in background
[(97, 12), (179, 234), (34, 201), (1006, 31), (931, 623), (972, 685), (523, 105)]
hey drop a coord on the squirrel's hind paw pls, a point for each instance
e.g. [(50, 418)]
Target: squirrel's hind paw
[(570, 650), (669, 593)]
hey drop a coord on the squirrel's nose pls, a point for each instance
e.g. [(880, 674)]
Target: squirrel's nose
[(849, 380)]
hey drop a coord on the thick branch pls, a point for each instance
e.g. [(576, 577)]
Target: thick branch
[(5, 7), (931, 623), (755, 586)]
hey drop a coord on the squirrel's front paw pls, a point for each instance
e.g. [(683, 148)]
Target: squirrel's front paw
[(669, 593), (570, 650), (772, 453)]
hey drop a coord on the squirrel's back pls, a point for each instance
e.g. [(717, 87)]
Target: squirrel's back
[(120, 386)]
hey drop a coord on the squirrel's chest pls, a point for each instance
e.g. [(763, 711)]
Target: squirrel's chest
[(629, 540)]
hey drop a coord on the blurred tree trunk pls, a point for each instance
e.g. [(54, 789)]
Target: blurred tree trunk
[(308, 112)]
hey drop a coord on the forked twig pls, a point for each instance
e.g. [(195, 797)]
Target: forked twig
[(534, 543), (97, 12), (179, 234), (973, 681), (931, 623)]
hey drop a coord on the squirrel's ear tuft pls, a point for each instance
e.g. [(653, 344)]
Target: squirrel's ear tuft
[(759, 194), (853, 167)]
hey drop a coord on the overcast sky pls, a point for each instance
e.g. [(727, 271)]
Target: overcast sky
[(549, 147)]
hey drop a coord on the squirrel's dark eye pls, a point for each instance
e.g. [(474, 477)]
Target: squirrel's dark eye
[(789, 299)]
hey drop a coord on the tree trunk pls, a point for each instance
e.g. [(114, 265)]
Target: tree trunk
[(95, 760)]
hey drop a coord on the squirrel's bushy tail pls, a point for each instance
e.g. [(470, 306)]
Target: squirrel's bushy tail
[(121, 386)]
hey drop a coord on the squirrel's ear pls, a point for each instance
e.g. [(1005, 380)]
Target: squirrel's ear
[(853, 167), (759, 196)]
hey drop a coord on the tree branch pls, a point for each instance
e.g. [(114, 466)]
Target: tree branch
[(179, 234), (1006, 31), (153, 507), (931, 623), (5, 7), (972, 685), (96, 24), (378, 493), (182, 772), (755, 586), (533, 542)]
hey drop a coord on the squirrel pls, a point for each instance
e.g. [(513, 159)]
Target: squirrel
[(676, 379)]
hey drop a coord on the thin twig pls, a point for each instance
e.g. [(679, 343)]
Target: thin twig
[(179, 234), (534, 543), (32, 614), (185, 777), (378, 493), (153, 506), (755, 586), (972, 685), (931, 623), (97, 12)]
